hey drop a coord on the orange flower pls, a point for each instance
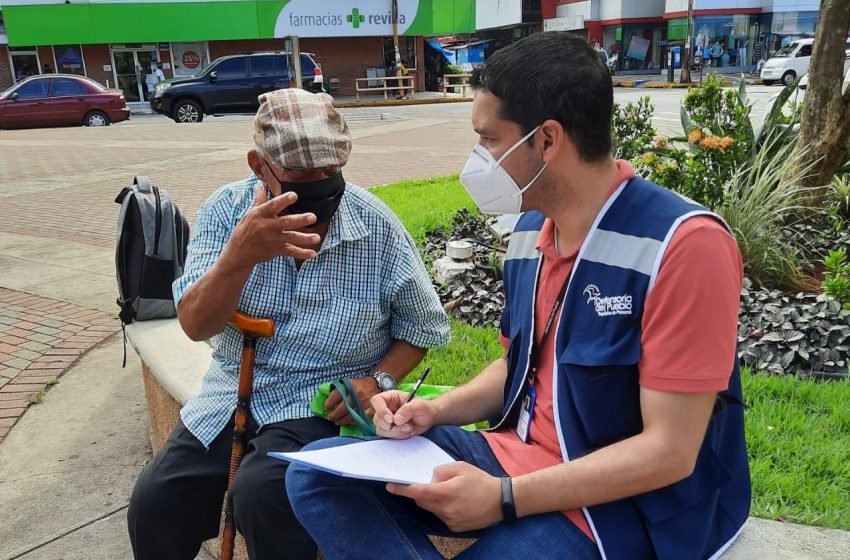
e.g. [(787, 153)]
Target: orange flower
[(695, 136), (716, 143)]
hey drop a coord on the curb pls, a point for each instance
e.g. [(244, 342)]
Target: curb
[(661, 85), (398, 102)]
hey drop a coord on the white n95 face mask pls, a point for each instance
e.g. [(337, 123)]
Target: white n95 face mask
[(490, 186)]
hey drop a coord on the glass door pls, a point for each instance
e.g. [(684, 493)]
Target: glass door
[(126, 75), (133, 72)]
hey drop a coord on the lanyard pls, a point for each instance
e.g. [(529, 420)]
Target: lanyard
[(537, 346)]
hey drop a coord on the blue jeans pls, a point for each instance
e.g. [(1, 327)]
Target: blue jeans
[(360, 520)]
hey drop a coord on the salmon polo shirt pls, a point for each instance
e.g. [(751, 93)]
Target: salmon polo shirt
[(687, 339)]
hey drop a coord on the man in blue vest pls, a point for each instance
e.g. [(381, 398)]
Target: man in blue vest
[(615, 412)]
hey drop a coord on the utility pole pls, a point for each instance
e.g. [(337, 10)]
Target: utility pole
[(685, 75), (397, 54)]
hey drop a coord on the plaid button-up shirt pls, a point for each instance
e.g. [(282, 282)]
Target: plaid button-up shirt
[(335, 317)]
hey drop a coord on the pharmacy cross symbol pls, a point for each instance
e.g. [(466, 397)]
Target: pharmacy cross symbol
[(355, 19)]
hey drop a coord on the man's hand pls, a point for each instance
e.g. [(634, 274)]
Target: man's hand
[(412, 419), (464, 497), (262, 234), (364, 387)]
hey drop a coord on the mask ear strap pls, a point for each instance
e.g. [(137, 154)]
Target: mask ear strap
[(528, 186), (517, 145)]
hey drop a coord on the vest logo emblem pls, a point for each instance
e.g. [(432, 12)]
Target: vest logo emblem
[(608, 306)]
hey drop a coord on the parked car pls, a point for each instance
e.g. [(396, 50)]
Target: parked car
[(231, 84), (61, 100), (793, 60)]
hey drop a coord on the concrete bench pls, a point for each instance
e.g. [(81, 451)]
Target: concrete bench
[(173, 367)]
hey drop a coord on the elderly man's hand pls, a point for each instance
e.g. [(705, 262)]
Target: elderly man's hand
[(365, 388), (262, 234)]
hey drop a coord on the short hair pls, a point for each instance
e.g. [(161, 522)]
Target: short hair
[(553, 75)]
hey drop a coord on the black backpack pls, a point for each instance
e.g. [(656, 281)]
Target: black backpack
[(150, 252)]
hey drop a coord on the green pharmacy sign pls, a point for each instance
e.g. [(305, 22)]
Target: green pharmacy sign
[(147, 21)]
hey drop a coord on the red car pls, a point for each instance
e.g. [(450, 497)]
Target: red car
[(61, 100)]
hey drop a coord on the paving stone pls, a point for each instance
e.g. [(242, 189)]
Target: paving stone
[(26, 354), (19, 363), (43, 338), (36, 346), (11, 412)]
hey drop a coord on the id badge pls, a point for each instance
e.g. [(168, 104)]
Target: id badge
[(525, 413)]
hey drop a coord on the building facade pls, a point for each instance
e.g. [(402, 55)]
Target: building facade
[(733, 35), (728, 35), (118, 43)]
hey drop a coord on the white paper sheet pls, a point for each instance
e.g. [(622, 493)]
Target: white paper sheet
[(406, 461)]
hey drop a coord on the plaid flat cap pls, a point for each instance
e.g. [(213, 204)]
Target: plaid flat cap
[(296, 129)]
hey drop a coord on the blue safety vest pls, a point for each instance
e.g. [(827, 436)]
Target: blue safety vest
[(596, 391)]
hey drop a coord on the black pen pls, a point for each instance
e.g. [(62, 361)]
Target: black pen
[(412, 393)]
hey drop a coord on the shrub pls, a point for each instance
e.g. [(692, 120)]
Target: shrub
[(722, 113), (632, 128), (836, 282), (454, 69)]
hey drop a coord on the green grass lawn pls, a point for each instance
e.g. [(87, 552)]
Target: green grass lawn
[(425, 205), (798, 432)]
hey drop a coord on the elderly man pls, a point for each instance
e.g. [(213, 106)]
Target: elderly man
[(350, 298)]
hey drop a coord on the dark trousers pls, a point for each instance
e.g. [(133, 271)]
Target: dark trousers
[(176, 503)]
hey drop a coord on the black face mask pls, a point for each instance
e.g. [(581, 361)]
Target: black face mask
[(321, 198)]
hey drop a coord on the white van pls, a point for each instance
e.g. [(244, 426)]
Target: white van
[(792, 60)]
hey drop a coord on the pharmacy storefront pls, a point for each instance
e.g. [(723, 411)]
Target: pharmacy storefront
[(120, 42)]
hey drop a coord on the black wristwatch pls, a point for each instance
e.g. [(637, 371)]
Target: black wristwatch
[(508, 508), (385, 381)]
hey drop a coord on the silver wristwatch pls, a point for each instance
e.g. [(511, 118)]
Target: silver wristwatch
[(385, 381)]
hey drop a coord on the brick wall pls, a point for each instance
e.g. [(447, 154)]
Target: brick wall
[(5, 69), (223, 48), (346, 58), (45, 56), (97, 56)]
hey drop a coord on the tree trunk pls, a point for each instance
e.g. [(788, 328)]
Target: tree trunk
[(825, 123)]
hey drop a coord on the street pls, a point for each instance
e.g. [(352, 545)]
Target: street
[(666, 101)]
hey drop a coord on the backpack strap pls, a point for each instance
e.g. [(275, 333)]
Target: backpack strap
[(143, 182)]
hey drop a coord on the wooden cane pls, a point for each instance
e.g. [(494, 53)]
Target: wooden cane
[(251, 330)]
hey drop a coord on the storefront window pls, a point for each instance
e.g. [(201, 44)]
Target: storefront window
[(724, 41), (640, 47), (69, 59), (24, 62), (790, 26)]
